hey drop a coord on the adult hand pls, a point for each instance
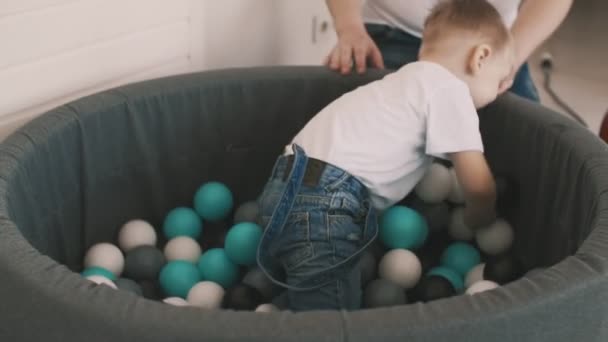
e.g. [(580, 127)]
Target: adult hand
[(354, 44)]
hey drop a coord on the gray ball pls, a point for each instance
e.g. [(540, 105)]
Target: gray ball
[(247, 212), (368, 267), (257, 279), (382, 293), (281, 301), (144, 263), (129, 286)]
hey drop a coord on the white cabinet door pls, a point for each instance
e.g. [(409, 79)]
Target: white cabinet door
[(305, 33)]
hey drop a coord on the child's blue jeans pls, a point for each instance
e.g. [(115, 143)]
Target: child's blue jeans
[(314, 233)]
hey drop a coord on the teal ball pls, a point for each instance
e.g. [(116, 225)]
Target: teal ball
[(217, 267), (213, 201), (182, 221), (460, 257), (453, 276), (402, 227), (178, 277), (100, 271), (241, 243)]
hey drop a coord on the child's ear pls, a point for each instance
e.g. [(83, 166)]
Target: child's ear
[(478, 58)]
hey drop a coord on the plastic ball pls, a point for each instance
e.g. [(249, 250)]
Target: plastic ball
[(281, 301), (144, 263), (457, 229), (213, 201), (453, 276), (100, 271), (367, 263), (242, 297), (495, 239), (400, 266), (402, 227), (241, 244), (247, 212), (430, 254), (176, 301), (481, 286), (474, 275), (503, 269), (214, 265), (460, 257), (434, 287), (436, 184), (383, 293), (136, 233), (456, 195), (178, 277), (436, 215), (267, 308), (105, 255), (257, 279), (129, 285), (182, 221), (100, 280), (206, 294), (151, 289), (182, 248)]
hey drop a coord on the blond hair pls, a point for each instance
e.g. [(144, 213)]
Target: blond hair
[(474, 16)]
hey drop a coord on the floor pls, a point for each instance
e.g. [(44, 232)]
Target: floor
[(580, 53)]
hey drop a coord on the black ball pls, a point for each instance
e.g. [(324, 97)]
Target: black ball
[(503, 269), (247, 212), (377, 249), (368, 268), (144, 263), (430, 254), (151, 289), (214, 234), (434, 287), (437, 215), (257, 279), (129, 286), (242, 297), (445, 162), (382, 293)]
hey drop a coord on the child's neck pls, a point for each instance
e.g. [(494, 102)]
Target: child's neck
[(450, 62)]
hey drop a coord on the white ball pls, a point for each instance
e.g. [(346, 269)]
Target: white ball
[(481, 286), (105, 255), (206, 294), (436, 184), (495, 239), (474, 275), (400, 266), (177, 301), (457, 229), (456, 195), (136, 233), (182, 248), (97, 279), (266, 308)]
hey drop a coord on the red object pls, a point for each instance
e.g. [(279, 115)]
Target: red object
[(604, 128)]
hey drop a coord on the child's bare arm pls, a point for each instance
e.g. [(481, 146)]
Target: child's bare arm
[(478, 186)]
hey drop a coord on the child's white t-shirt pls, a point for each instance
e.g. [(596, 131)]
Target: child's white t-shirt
[(409, 16), (385, 133)]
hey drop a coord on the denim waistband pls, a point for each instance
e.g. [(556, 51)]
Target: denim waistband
[(332, 176)]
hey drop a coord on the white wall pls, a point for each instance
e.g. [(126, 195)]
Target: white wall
[(240, 33), (54, 51)]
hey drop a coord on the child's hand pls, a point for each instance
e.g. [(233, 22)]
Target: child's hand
[(478, 186)]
